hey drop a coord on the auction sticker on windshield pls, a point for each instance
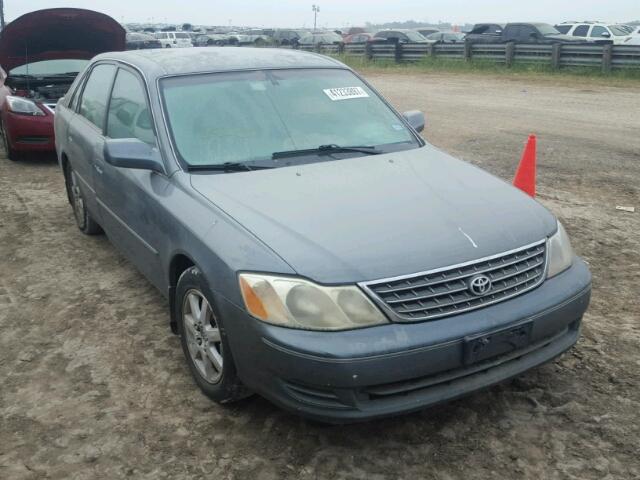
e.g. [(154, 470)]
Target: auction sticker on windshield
[(345, 93)]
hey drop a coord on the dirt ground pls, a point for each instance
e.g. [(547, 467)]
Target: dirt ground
[(93, 384)]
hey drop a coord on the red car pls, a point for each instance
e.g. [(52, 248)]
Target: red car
[(363, 37), (41, 53)]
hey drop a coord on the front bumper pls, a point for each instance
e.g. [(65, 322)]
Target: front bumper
[(399, 368), (30, 133)]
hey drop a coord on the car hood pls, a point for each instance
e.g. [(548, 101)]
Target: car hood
[(566, 38), (381, 216), (59, 33)]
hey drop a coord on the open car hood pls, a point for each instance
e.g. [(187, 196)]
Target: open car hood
[(59, 33)]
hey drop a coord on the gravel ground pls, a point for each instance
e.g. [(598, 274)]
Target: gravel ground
[(94, 384)]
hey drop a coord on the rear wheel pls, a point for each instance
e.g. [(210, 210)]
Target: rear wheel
[(204, 340), (12, 154), (84, 220)]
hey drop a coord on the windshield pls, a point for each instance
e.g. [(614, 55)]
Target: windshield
[(415, 36), (249, 116), (50, 67), (547, 29), (617, 31)]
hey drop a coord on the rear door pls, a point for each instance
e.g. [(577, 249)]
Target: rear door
[(85, 143), (130, 199)]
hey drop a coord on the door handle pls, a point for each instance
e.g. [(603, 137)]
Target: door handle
[(98, 169)]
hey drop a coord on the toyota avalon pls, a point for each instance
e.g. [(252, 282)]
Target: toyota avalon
[(314, 249)]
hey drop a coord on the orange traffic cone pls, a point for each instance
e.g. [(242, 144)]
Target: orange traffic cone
[(525, 178)]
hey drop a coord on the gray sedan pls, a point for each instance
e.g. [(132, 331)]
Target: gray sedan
[(313, 247)]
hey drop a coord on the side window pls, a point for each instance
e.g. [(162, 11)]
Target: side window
[(598, 31), (129, 115), (512, 33), (93, 104), (526, 33), (581, 31), (564, 29)]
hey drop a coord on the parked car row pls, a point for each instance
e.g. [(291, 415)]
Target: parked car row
[(531, 32)]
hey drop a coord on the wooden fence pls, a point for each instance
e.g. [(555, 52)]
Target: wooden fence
[(606, 57)]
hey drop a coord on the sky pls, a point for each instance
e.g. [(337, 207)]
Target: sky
[(337, 13)]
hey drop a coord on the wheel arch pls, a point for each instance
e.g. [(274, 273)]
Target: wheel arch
[(180, 262), (64, 165)]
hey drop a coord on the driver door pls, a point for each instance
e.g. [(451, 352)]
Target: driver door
[(130, 199)]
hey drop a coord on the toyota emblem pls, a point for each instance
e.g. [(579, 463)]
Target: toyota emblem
[(479, 285)]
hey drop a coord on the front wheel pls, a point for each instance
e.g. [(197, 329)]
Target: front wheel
[(11, 153), (204, 340)]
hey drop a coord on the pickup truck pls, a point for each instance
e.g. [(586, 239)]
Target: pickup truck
[(541, 33)]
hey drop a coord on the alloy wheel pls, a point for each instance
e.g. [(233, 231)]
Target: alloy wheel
[(202, 336)]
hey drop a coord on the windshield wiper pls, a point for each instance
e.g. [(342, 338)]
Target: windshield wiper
[(227, 167), (65, 74), (326, 149)]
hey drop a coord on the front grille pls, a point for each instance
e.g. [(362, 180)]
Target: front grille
[(443, 292)]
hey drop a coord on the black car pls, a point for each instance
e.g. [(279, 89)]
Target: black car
[(486, 33), (540, 33), (137, 41), (399, 36)]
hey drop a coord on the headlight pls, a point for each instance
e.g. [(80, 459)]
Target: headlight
[(560, 252), (297, 303), (23, 106)]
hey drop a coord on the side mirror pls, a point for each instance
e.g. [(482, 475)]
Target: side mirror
[(606, 34), (416, 119), (133, 153)]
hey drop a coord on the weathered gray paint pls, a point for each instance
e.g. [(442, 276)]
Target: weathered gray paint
[(341, 221)]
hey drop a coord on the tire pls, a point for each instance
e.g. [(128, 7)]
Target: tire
[(204, 340), (85, 222), (12, 155)]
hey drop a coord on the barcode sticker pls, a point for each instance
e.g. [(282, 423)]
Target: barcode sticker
[(345, 93)]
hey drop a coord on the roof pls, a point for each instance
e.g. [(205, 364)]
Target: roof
[(160, 62)]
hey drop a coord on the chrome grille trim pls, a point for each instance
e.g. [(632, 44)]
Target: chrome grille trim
[(444, 291)]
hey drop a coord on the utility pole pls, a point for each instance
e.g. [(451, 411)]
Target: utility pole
[(316, 10), (2, 14)]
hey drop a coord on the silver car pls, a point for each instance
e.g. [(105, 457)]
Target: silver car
[(314, 249)]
